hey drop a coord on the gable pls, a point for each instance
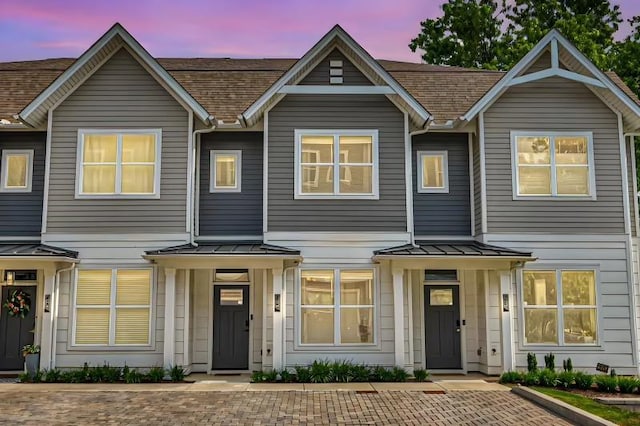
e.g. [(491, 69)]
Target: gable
[(342, 68)]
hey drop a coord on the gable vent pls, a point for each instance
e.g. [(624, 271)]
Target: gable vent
[(335, 72)]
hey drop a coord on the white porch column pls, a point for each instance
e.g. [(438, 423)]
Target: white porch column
[(398, 316), (169, 317), (506, 307), (47, 345), (278, 319), (186, 354)]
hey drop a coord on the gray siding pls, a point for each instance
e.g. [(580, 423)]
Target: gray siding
[(553, 104), (350, 74), (120, 95), (443, 214), (336, 112), (21, 212), (232, 213)]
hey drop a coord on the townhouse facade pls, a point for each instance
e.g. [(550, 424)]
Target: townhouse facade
[(237, 215)]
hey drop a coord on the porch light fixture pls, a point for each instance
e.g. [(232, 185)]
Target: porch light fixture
[(10, 277)]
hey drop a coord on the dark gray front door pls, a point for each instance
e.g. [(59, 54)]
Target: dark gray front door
[(16, 332), (442, 326), (231, 327)]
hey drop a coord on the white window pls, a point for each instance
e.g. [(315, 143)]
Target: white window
[(433, 171), (553, 164), (226, 171), (352, 155), (16, 170), (113, 307), (560, 307), (337, 307), (113, 163)]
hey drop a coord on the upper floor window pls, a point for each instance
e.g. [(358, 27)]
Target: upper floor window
[(432, 171), (226, 169), (16, 170), (114, 163), (349, 155), (553, 164)]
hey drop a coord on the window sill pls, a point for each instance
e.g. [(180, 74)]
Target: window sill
[(433, 191), (117, 197), (106, 348), (337, 197), (15, 191), (562, 348), (351, 348), (554, 198)]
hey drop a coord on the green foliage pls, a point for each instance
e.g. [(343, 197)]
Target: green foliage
[(381, 374), (341, 371), (258, 377), (321, 371), (286, 376), (531, 378), (30, 349), (565, 379), (511, 377), (399, 374), (176, 373), (606, 383), (583, 381), (102, 374), (52, 376), (628, 384), (547, 378), (132, 376), (550, 361), (360, 373), (420, 375), (155, 375), (532, 362), (567, 365), (24, 378), (303, 374)]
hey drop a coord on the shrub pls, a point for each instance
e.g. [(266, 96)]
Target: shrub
[(176, 373), (567, 365), (133, 376), (24, 378), (257, 377), (360, 373), (104, 374), (550, 361), (321, 372), (341, 371), (52, 376), (547, 378), (67, 376), (381, 374), (628, 384), (583, 381), (530, 379), (565, 379), (303, 374), (286, 376), (511, 377), (155, 375), (607, 384), (420, 375), (532, 362), (399, 374)]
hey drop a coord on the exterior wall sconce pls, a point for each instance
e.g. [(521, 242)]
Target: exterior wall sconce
[(276, 302), (47, 303), (10, 278)]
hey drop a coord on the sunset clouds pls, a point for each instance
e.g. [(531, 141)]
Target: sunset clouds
[(32, 29)]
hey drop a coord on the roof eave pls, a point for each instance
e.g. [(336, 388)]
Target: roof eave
[(192, 256), (452, 257)]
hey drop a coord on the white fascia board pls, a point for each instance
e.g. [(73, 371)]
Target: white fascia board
[(335, 33), (556, 72), (128, 39), (336, 90), (40, 258)]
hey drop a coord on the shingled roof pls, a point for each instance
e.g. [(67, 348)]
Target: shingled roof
[(227, 87)]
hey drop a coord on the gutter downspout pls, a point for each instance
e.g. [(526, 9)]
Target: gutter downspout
[(54, 314), (195, 175)]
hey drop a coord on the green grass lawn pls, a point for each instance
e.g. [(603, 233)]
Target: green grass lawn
[(613, 414)]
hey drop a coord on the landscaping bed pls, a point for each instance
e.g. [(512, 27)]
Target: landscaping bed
[(105, 374)]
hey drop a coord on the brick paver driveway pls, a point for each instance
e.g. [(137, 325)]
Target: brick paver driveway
[(240, 408)]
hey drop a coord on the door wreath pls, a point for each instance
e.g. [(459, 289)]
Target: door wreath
[(18, 303)]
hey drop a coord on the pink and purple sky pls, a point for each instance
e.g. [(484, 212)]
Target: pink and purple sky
[(37, 29)]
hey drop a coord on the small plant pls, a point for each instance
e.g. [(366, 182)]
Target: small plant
[(381, 374), (24, 378), (38, 376), (133, 376), (547, 378), (613, 372), (286, 376), (399, 374), (341, 371), (532, 362), (30, 349), (583, 381), (628, 384), (530, 378), (155, 375), (271, 376), (511, 377), (420, 375), (52, 376), (550, 361), (67, 376), (303, 374), (257, 377), (360, 373), (321, 372), (567, 365), (565, 379), (176, 373), (607, 384)]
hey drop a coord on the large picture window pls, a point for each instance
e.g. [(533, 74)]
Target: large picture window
[(560, 307), (351, 155), (548, 164), (113, 307), (119, 163), (337, 307)]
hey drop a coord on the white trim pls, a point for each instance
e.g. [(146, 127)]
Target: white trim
[(237, 154), (169, 350), (119, 133), (301, 66), (336, 134), (408, 176), (506, 318), (13, 239), (483, 175), (555, 62), (472, 198), (229, 238), (117, 30), (4, 169), (265, 175), (553, 196), (420, 171), (553, 72), (634, 169), (397, 275), (625, 177), (186, 327), (278, 338), (336, 90), (190, 177), (47, 172)]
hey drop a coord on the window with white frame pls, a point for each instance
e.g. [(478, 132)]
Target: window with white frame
[(113, 307), (226, 171), (16, 170), (337, 307), (119, 163), (553, 164), (433, 171), (352, 155), (560, 307)]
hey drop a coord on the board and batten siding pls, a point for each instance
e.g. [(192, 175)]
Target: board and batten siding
[(120, 95), (351, 75), (443, 213), (553, 104), (21, 212), (336, 112), (232, 213)]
